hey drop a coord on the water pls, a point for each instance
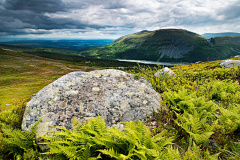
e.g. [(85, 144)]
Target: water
[(152, 62)]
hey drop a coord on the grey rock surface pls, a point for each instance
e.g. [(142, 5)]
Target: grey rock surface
[(176, 49), (229, 63), (114, 95), (164, 71)]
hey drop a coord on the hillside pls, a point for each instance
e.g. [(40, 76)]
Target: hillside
[(22, 75), (201, 119), (67, 55), (166, 45), (63, 46), (211, 35)]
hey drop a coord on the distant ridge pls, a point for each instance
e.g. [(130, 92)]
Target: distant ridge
[(211, 35), (167, 45)]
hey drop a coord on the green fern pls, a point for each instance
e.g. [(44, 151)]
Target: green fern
[(92, 140), (220, 90), (195, 126), (185, 101), (196, 153), (77, 144), (179, 101), (169, 154), (113, 154), (19, 141), (230, 118), (142, 141)]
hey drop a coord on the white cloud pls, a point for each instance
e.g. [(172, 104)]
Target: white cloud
[(143, 13), (112, 18)]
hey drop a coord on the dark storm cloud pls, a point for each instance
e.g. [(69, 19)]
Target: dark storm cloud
[(107, 4), (110, 16), (22, 14), (38, 6)]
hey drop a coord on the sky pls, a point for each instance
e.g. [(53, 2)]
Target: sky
[(111, 19)]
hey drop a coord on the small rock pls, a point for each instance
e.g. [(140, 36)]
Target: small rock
[(154, 123), (229, 63), (164, 71), (120, 127)]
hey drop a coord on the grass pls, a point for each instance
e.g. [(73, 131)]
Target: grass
[(202, 100), (205, 93), (60, 54), (22, 75)]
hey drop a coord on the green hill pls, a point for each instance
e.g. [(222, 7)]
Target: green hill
[(167, 45)]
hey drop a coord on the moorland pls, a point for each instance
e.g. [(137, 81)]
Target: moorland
[(201, 119)]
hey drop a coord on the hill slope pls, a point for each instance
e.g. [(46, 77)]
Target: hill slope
[(166, 45), (22, 75), (60, 54)]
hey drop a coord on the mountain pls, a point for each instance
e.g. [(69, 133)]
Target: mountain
[(210, 35), (167, 45)]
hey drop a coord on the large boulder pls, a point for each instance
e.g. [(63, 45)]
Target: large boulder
[(165, 71), (229, 63), (114, 95)]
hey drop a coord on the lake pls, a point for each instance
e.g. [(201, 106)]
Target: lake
[(152, 62)]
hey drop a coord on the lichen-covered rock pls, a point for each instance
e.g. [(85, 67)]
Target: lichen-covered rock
[(229, 63), (164, 71), (114, 95)]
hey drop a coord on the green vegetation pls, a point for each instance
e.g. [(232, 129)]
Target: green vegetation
[(70, 46), (167, 45), (22, 75), (203, 101), (93, 139), (61, 54), (200, 120), (20, 143)]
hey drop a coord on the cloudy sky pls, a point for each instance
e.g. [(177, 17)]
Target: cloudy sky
[(111, 19)]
